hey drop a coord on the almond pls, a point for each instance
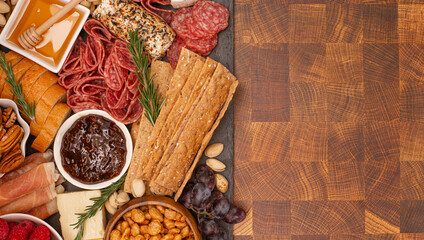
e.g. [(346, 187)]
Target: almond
[(4, 7), (214, 150), (215, 165), (221, 183)]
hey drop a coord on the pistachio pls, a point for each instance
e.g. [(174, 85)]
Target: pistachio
[(138, 188), (122, 198), (112, 200), (215, 165), (214, 150), (221, 183), (4, 7), (110, 208)]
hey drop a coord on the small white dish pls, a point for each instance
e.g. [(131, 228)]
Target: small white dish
[(17, 15), (18, 217), (58, 144), (5, 103)]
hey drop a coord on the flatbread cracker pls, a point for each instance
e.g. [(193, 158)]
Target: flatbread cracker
[(193, 132), (142, 129), (184, 68)]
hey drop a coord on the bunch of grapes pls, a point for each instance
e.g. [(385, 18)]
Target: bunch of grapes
[(210, 204)]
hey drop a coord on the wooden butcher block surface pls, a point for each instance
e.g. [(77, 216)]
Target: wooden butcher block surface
[(329, 119)]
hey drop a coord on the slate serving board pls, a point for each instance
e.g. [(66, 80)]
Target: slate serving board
[(223, 53)]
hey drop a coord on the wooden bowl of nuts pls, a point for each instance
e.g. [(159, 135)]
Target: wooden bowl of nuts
[(152, 217), (14, 133)]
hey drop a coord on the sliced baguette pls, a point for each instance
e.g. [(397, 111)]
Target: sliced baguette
[(45, 81), (19, 70), (57, 116), (30, 77), (11, 58), (53, 95)]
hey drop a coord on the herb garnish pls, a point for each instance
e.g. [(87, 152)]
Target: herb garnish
[(16, 88), (149, 96), (98, 204)]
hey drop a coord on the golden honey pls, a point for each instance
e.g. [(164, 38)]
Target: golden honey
[(56, 39)]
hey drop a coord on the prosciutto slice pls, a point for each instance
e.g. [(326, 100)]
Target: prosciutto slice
[(41, 176), (44, 211), (31, 200), (29, 163)]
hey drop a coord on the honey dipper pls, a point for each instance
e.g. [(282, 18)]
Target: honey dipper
[(32, 36)]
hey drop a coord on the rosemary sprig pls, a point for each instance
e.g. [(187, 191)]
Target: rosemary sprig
[(149, 96), (16, 88), (98, 204)]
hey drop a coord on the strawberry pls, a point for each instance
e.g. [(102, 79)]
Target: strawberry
[(40, 233), (4, 229)]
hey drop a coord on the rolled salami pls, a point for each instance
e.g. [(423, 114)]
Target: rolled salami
[(41, 176)]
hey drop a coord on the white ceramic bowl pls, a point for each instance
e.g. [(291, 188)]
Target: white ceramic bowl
[(58, 144), (5, 103), (18, 217), (16, 16)]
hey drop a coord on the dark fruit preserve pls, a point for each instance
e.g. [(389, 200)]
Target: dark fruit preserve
[(93, 149)]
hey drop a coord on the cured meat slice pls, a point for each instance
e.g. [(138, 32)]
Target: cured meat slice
[(72, 62), (123, 57), (38, 177), (79, 103), (202, 46), (93, 54), (117, 99), (44, 211), (124, 115), (133, 83), (179, 25), (211, 16), (31, 200), (165, 15), (115, 75), (69, 81), (194, 26), (90, 85), (98, 31), (29, 163), (175, 50)]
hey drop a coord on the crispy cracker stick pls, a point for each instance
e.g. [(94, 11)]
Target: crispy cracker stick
[(177, 160), (141, 131)]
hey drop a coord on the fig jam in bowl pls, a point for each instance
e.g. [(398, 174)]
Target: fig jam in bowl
[(92, 150)]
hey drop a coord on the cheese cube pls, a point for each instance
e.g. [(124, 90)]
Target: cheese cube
[(76, 202)]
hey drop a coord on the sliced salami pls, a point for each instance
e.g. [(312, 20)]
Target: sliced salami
[(194, 26), (175, 50), (80, 103), (124, 115), (211, 16), (90, 85), (165, 15), (117, 99), (115, 75), (69, 81), (93, 54), (179, 25), (202, 46), (96, 29)]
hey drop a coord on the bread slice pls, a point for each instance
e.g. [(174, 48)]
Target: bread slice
[(57, 116), (53, 95), (45, 81), (19, 70), (11, 58), (30, 77)]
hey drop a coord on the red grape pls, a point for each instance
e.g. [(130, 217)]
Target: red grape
[(235, 215), (208, 227), (205, 175), (201, 194)]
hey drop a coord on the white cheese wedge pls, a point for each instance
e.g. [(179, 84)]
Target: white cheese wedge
[(75, 202), (182, 3)]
